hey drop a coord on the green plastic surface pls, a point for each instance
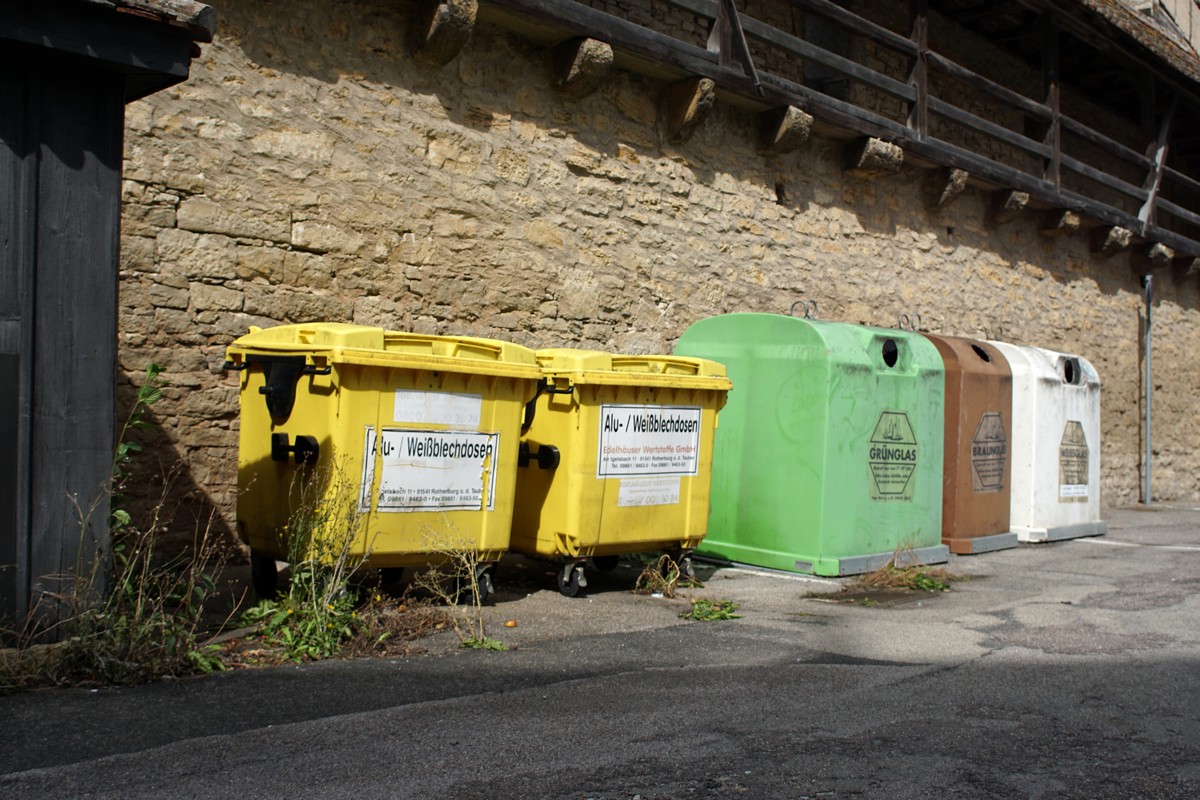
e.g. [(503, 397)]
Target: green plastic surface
[(826, 458)]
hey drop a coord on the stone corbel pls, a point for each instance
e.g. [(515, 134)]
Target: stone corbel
[(1107, 242), (943, 186), (785, 129), (1059, 223), (441, 29), (1007, 206), (581, 66), (685, 104), (874, 158)]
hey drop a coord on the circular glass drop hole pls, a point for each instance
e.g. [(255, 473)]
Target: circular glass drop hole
[(890, 352), (1070, 370), (979, 351)]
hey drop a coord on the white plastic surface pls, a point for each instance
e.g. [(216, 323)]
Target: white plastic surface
[(1055, 444)]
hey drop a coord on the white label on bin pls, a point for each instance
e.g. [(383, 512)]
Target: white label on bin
[(648, 440), (430, 470), (648, 491), (1073, 464), (892, 457), (989, 453), (438, 408)]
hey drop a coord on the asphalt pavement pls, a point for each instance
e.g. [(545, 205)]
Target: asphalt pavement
[(1057, 670)]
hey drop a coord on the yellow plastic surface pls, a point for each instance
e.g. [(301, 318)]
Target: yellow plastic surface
[(589, 506), (403, 393)]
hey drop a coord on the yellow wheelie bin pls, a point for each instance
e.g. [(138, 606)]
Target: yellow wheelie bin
[(616, 459), (397, 448)]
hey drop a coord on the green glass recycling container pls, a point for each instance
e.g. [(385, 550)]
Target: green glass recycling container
[(828, 459)]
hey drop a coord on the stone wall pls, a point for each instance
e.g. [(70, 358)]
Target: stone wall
[(310, 169)]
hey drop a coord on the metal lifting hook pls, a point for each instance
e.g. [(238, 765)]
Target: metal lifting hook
[(809, 306)]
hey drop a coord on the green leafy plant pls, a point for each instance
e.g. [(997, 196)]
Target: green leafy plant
[(318, 612), (705, 610), (127, 613), (149, 393), (484, 643)]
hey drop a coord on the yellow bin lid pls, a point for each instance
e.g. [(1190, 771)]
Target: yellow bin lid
[(598, 367), (341, 343)]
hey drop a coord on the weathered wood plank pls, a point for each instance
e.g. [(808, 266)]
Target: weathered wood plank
[(1154, 176), (806, 50), (859, 25), (1088, 171), (1185, 214), (918, 78), (961, 73), (1111, 146), (980, 125)]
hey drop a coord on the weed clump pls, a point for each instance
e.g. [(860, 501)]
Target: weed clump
[(131, 614), (663, 577), (705, 610), (913, 577)]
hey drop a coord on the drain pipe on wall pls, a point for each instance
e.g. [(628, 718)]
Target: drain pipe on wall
[(1148, 283)]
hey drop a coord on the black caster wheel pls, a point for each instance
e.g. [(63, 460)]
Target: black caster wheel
[(390, 579), (571, 581), (686, 570), (477, 594), (483, 585), (679, 561), (605, 563), (264, 575)]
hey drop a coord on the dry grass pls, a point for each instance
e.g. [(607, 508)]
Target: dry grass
[(663, 577), (911, 576)]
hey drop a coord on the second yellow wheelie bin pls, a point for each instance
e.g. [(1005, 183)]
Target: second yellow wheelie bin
[(616, 459)]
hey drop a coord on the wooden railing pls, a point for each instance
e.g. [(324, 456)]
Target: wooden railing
[(1054, 168)]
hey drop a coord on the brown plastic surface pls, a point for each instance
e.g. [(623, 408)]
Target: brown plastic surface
[(978, 465)]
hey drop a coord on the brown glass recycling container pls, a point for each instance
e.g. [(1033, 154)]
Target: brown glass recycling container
[(975, 488)]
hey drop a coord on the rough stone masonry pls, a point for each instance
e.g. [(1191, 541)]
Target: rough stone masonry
[(312, 169)]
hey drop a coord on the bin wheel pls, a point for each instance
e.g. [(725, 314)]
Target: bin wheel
[(264, 576), (480, 593), (390, 577), (605, 563), (483, 583), (570, 579), (684, 563)]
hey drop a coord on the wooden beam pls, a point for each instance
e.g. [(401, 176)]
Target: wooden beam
[(441, 29), (873, 158), (858, 25), (1006, 206), (1107, 242), (944, 185), (961, 73), (581, 66), (784, 129), (1146, 215), (1059, 223), (918, 77), (685, 104), (1052, 169)]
